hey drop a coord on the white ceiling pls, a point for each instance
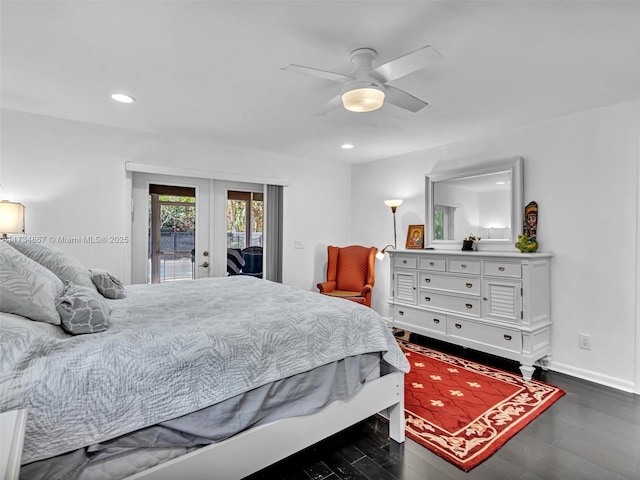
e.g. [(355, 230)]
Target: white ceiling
[(212, 69)]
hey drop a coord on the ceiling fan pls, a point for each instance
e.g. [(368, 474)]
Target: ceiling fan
[(366, 88)]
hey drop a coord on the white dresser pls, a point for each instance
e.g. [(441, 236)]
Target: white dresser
[(494, 302)]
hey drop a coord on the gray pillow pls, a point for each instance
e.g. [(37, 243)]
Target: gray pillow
[(83, 310), (66, 268), (27, 288), (108, 285)]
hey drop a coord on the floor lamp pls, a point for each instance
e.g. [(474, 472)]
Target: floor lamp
[(394, 204)]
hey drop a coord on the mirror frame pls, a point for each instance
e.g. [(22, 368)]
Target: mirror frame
[(513, 165)]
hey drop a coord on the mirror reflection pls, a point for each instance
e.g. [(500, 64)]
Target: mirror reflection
[(476, 205), (480, 200)]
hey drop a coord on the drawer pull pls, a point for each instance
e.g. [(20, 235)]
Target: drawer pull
[(501, 269), (427, 280), (404, 261), (463, 265), (436, 321), (468, 305), (432, 264), (427, 299), (400, 312), (458, 326), (469, 285), (507, 337)]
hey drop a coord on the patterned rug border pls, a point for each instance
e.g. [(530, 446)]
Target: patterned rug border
[(468, 446)]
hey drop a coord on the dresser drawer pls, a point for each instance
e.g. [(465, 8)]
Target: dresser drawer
[(450, 283), (432, 299), (505, 339), (434, 264), (502, 269), (420, 318), (402, 261), (461, 265)]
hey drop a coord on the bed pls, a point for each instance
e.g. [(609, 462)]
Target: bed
[(191, 375)]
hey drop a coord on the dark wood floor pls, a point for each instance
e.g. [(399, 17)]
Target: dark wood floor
[(592, 433)]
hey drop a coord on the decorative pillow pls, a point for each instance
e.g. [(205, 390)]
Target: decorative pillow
[(235, 262), (27, 288), (66, 268), (108, 285), (83, 310)]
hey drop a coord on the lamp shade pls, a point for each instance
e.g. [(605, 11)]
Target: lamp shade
[(363, 99), (11, 217), (381, 253), (393, 203)]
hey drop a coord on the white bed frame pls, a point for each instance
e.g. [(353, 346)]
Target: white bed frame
[(254, 449)]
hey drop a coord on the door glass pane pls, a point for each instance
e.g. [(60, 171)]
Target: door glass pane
[(236, 224), (257, 221), (171, 237), (245, 221)]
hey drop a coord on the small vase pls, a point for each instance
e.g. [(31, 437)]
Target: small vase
[(467, 245)]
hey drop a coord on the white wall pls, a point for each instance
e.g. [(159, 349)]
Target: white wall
[(583, 172), (71, 178), (581, 169)]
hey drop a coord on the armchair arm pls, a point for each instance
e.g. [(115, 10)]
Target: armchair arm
[(326, 287), (366, 289)]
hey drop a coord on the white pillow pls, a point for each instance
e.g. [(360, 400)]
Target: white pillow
[(27, 288), (66, 268)]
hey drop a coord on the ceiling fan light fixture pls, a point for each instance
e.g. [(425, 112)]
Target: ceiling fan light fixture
[(365, 99), (123, 98)]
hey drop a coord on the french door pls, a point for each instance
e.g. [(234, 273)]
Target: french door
[(182, 227), (171, 228)]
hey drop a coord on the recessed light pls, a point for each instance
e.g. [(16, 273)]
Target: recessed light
[(347, 146), (500, 183), (123, 98)]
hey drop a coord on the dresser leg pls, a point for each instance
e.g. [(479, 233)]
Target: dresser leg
[(527, 371), (544, 362)]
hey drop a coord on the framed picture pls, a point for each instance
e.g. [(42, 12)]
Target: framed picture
[(415, 236)]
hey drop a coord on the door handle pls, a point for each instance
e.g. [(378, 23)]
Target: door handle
[(204, 264), (205, 254)]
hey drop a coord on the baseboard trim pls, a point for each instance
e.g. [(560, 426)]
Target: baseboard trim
[(590, 376)]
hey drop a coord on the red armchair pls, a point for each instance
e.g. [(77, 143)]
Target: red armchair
[(350, 273)]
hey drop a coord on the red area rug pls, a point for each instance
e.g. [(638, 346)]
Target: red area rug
[(464, 411)]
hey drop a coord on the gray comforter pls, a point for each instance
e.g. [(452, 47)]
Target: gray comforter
[(172, 349)]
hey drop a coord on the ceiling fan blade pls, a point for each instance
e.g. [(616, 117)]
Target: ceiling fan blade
[(402, 99), (408, 63), (330, 105), (336, 77)]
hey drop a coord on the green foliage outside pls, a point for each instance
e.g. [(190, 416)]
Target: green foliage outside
[(181, 218), (176, 218), (236, 216), (438, 225)]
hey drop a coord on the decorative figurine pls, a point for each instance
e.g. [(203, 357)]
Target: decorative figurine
[(527, 244), (530, 220)]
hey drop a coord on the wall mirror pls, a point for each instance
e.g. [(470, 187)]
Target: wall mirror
[(482, 200)]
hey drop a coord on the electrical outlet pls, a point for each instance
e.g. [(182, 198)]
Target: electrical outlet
[(584, 341), (298, 244)]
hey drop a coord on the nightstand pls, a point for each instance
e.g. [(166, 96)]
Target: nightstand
[(12, 426)]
